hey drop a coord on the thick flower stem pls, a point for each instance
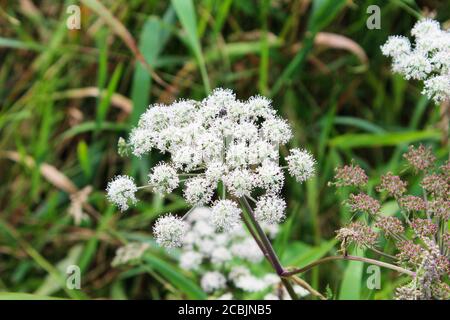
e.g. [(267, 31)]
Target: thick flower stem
[(266, 247), (354, 258)]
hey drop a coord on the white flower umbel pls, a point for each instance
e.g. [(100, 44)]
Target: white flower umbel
[(225, 215), (270, 209), (270, 176), (190, 260), (164, 179), (301, 164), (217, 143), (437, 88), (240, 182), (247, 250), (169, 231), (198, 191), (427, 59), (396, 46), (121, 191), (233, 253), (220, 255), (212, 281)]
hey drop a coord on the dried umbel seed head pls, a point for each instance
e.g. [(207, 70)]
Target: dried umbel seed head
[(412, 203), (350, 175), (424, 227), (409, 253), (420, 158), (441, 291), (446, 241), (169, 231), (439, 208), (436, 184), (392, 184), (357, 233), (121, 191), (434, 263), (445, 168), (390, 225), (363, 203), (408, 292)]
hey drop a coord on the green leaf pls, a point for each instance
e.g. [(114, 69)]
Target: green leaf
[(103, 107), (50, 284), (351, 283), (323, 12), (175, 277), (83, 158), (186, 14), (347, 141), (17, 44), (359, 123), (91, 126), (24, 296), (304, 258), (151, 42)]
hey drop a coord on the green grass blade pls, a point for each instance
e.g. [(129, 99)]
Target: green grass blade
[(175, 277), (105, 103), (351, 284), (24, 296), (348, 141), (186, 14)]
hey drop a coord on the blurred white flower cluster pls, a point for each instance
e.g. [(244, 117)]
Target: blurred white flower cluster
[(221, 259), (221, 149), (427, 59), (129, 253)]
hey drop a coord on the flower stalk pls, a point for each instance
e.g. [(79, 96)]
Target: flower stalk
[(353, 258), (266, 247)]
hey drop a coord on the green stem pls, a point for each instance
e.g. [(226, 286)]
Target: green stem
[(354, 258), (266, 247)]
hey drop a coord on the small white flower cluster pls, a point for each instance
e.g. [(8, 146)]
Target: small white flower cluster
[(218, 141), (128, 253), (121, 191), (220, 258), (428, 59)]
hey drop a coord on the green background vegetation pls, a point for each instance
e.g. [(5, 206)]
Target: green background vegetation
[(66, 96)]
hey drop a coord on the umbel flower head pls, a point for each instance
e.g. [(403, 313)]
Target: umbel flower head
[(121, 191), (428, 59), (421, 244), (223, 260), (219, 141)]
